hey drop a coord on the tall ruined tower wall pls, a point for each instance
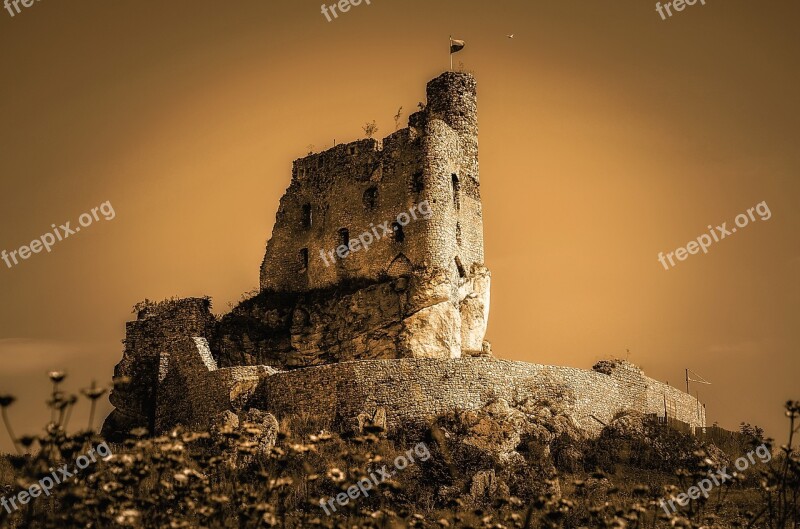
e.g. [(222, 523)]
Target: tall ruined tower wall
[(455, 233), (364, 185), (359, 187)]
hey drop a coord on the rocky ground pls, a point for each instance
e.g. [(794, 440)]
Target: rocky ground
[(507, 465)]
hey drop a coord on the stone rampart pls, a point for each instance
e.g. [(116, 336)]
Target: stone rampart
[(412, 391)]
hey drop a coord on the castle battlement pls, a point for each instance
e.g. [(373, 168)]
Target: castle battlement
[(346, 160)]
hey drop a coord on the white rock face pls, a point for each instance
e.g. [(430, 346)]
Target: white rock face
[(474, 309), (205, 353), (433, 332)]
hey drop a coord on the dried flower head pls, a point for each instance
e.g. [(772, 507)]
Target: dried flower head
[(336, 475), (57, 376), (93, 392)]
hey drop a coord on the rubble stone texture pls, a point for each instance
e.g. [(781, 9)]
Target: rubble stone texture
[(394, 330)]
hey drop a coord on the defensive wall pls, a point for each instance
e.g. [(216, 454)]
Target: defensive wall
[(412, 391)]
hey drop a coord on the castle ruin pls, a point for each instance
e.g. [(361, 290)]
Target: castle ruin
[(344, 329)]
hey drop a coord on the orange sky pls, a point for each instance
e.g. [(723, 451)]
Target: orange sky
[(607, 135)]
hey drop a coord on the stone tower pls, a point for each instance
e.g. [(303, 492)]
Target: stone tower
[(353, 188), (405, 209)]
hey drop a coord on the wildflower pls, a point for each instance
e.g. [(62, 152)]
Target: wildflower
[(206, 511), (302, 448), (93, 392), (173, 447), (246, 447), (129, 517), (336, 475), (111, 487), (229, 432), (191, 437), (57, 376), (640, 490), (322, 436), (281, 482), (58, 401)]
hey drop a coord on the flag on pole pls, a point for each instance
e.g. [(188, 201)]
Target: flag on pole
[(456, 45)]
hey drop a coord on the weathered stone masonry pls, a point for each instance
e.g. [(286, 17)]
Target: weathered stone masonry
[(343, 192), (397, 328), (414, 391)]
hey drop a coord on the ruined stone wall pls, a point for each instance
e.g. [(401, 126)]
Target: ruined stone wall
[(361, 185), (333, 184), (192, 391), (159, 327), (412, 391)]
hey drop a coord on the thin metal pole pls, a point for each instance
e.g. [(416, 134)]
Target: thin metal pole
[(450, 51)]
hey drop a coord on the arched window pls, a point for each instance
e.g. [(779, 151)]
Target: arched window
[(417, 182), (397, 230), (460, 267), (307, 216), (303, 259), (344, 237), (399, 267), (456, 192), (370, 198)]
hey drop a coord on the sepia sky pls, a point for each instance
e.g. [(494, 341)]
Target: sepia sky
[(607, 135)]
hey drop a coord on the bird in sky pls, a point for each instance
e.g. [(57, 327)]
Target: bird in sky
[(510, 36)]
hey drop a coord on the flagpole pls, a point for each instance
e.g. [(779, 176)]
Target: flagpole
[(450, 49)]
